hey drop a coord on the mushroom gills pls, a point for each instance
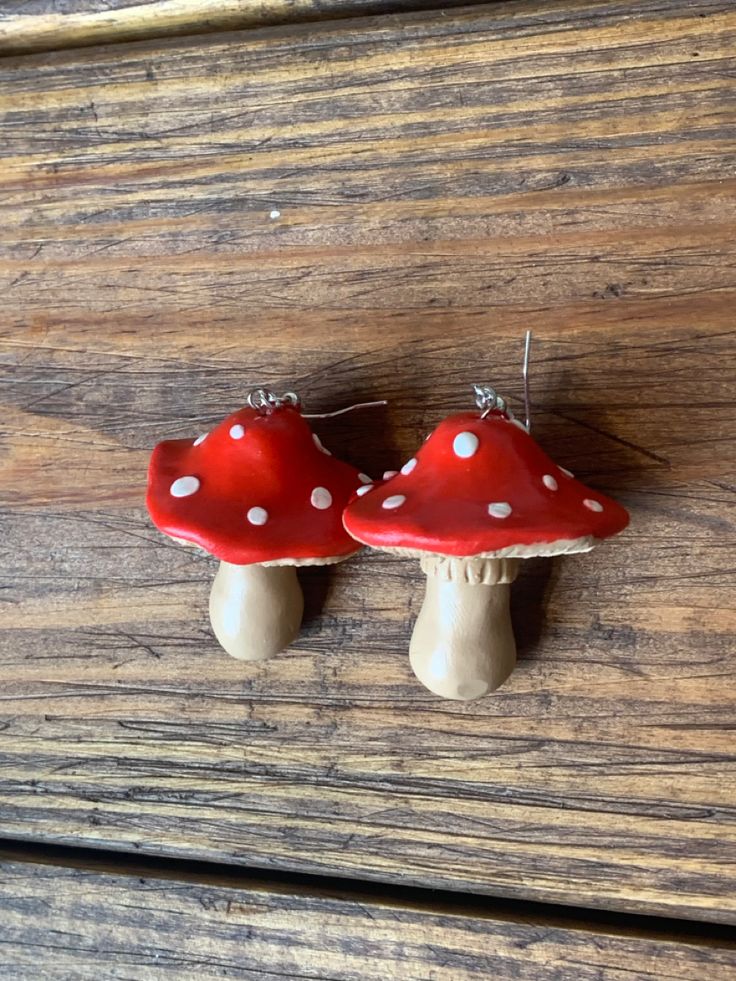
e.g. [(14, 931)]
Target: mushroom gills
[(255, 610), (463, 644)]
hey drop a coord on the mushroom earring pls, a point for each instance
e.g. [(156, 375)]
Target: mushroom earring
[(478, 497), (262, 494)]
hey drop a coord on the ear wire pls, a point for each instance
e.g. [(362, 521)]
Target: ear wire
[(339, 412), (525, 376), (488, 400), (263, 400)]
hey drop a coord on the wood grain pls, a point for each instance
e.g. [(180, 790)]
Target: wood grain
[(442, 183), (66, 922), (48, 25)]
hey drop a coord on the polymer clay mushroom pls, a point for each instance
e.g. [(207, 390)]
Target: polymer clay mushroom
[(263, 495), (479, 496)]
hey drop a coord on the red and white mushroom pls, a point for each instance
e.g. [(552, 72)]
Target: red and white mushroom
[(478, 496), (263, 495)]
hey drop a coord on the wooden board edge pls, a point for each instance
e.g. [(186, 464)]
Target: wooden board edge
[(22, 34)]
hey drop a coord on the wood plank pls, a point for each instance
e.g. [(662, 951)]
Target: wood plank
[(441, 183), (49, 25), (64, 922)]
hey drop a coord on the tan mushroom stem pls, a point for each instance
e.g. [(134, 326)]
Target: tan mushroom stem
[(255, 610), (463, 644)]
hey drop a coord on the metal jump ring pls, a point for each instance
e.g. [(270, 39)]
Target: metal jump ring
[(264, 400), (487, 399)]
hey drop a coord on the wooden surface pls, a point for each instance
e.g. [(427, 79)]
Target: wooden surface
[(442, 183), (47, 25), (142, 926)]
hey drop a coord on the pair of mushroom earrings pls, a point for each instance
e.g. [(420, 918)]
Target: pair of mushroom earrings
[(262, 494)]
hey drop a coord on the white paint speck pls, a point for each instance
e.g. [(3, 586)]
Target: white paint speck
[(567, 473), (274, 214), (409, 466), (395, 501), (465, 445), (184, 486), (257, 516), (388, 474), (200, 439), (318, 444), (499, 509), (364, 489), (593, 505), (549, 482), (237, 432), (321, 498), (364, 478)]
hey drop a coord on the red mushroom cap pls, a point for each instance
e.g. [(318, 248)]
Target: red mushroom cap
[(483, 487), (259, 488)]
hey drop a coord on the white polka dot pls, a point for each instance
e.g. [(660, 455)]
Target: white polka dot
[(364, 478), (274, 214), (200, 439), (465, 445), (321, 498), (567, 473), (257, 516), (318, 444), (499, 509), (393, 502), (408, 467), (388, 474), (237, 432), (184, 486), (364, 489), (549, 482), (593, 505)]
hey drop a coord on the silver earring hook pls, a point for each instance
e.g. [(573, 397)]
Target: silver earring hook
[(263, 400), (525, 376), (339, 412), (488, 400)]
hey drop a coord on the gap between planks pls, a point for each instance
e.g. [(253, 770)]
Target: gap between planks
[(367, 893)]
